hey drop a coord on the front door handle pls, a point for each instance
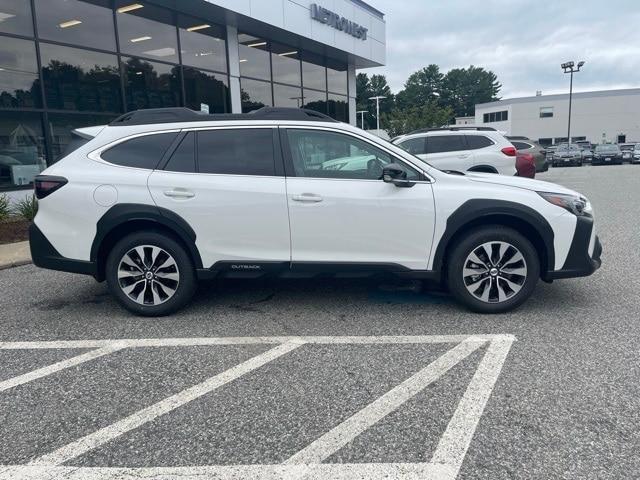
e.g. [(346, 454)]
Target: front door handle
[(179, 193), (307, 198)]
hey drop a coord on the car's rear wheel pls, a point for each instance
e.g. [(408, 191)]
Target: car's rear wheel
[(493, 269), (150, 274)]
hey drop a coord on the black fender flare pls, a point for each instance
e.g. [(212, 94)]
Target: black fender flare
[(123, 213), (473, 210)]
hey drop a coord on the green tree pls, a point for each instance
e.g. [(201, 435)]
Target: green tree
[(421, 88), (429, 115), (463, 88), (372, 87)]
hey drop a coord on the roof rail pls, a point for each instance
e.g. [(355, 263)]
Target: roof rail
[(453, 129), (181, 114)]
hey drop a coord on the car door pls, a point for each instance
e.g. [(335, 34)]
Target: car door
[(231, 192), (448, 152), (342, 212)]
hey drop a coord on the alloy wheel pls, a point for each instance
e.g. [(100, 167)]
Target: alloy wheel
[(494, 272), (148, 275)]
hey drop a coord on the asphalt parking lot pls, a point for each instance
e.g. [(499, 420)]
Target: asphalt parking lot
[(331, 378)]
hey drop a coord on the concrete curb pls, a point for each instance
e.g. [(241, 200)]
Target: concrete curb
[(14, 255)]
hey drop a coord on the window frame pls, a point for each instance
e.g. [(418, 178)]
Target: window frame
[(290, 169)]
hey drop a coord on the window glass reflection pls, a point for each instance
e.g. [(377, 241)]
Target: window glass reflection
[(202, 44), (19, 84), (314, 74), (150, 84), (86, 23), (338, 107), (21, 148), (285, 62), (61, 125), (82, 80), (337, 78), (254, 94), (254, 57), (15, 17), (315, 100), (286, 96), (206, 88), (147, 31)]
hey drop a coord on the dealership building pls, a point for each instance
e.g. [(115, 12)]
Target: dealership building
[(609, 116), (66, 64)]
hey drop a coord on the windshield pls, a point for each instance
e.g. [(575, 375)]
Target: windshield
[(607, 148), (626, 147), (566, 148)]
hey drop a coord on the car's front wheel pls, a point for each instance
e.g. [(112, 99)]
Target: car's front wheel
[(150, 274), (492, 269)]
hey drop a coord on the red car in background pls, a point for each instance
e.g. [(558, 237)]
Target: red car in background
[(525, 165)]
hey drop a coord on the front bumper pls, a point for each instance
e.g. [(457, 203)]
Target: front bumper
[(579, 262), (44, 255)]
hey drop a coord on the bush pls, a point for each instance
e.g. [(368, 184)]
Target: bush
[(4, 207), (27, 208)]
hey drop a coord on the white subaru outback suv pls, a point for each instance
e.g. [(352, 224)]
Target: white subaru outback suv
[(161, 198), (462, 149)]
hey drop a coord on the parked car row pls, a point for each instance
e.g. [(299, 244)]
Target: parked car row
[(582, 152)]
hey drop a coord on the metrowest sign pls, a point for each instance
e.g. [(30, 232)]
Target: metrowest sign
[(322, 15)]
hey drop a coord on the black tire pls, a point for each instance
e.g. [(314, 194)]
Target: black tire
[(473, 240), (185, 285)]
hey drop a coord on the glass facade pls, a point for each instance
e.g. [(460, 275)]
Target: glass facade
[(273, 74), (67, 64)]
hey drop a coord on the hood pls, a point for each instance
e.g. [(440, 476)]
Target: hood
[(519, 182)]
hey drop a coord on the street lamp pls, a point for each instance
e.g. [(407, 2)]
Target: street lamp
[(568, 67), (377, 99), (362, 112)]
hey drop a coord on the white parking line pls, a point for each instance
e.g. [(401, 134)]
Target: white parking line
[(455, 440), (444, 465), (338, 437), (204, 341), (106, 434), (56, 367), (325, 471)]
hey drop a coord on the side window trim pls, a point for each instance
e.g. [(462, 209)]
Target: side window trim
[(170, 151), (288, 158)]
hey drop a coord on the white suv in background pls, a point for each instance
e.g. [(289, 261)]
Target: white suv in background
[(161, 198), (462, 149)]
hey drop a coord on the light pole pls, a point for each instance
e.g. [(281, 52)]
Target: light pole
[(568, 67), (377, 99), (362, 112)]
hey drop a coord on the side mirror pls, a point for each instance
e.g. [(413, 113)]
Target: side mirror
[(394, 173)]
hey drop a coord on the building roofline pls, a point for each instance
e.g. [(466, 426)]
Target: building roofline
[(369, 8), (561, 96)]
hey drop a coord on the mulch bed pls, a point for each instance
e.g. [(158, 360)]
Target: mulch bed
[(14, 231)]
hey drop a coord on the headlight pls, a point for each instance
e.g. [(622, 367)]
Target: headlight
[(579, 206)]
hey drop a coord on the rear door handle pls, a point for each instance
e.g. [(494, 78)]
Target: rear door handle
[(464, 155), (307, 198), (179, 193)]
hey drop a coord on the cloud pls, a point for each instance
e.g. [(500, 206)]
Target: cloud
[(522, 41)]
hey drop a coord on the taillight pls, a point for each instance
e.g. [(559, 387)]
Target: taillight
[(45, 185), (509, 151)]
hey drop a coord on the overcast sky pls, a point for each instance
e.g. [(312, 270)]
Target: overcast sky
[(522, 41)]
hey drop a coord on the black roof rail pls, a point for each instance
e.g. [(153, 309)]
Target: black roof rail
[(181, 114), (452, 129)]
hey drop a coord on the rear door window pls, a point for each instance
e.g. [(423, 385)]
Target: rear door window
[(445, 143), (183, 158), (140, 152), (474, 142), (247, 151), (415, 146)]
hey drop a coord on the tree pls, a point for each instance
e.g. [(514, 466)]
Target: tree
[(372, 87), (463, 88), (403, 121), (421, 88)]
